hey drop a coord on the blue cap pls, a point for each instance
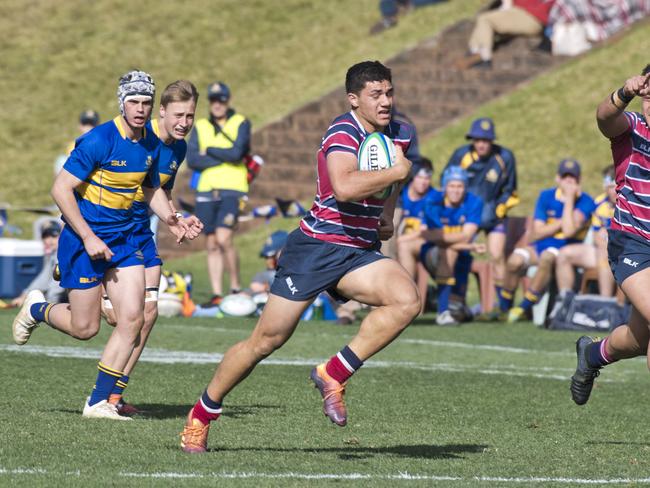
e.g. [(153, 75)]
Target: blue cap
[(569, 167), (218, 91), (274, 244), (454, 173), (482, 129)]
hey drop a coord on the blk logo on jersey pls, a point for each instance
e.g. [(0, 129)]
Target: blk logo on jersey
[(118, 163)]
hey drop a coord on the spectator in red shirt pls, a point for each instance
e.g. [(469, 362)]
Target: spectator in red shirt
[(513, 17)]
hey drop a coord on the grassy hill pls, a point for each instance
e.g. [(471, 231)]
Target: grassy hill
[(59, 58), (554, 117)]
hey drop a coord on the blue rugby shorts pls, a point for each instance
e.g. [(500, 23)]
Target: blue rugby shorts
[(627, 254), (308, 266), (80, 272)]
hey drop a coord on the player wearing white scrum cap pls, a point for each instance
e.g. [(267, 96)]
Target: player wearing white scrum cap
[(95, 191)]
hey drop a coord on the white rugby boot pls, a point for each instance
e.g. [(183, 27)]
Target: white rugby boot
[(102, 410), (24, 324)]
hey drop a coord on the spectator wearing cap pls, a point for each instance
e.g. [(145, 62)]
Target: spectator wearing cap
[(88, 119), (492, 176), (44, 280), (271, 250), (593, 254), (451, 218), (216, 149), (512, 18), (562, 217)]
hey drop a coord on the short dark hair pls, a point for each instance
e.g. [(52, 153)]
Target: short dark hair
[(364, 72), (424, 163), (646, 70)]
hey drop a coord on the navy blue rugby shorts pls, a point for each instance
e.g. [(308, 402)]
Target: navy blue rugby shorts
[(627, 253), (308, 266)]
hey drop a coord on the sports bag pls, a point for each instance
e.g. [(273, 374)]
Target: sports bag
[(587, 312)]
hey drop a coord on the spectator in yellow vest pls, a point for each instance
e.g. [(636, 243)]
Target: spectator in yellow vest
[(216, 148)]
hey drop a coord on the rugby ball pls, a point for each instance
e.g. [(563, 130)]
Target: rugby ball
[(377, 152), (169, 305), (238, 305)]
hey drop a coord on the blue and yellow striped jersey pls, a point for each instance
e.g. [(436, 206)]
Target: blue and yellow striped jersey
[(112, 168), (439, 214), (413, 210), (170, 156), (603, 214), (549, 208)]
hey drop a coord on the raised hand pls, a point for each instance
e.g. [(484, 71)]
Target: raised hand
[(638, 86)]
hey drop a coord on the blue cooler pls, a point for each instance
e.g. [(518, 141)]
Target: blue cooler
[(20, 263)]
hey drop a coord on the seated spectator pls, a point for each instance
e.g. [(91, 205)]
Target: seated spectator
[(577, 24), (261, 282), (492, 176), (562, 217), (411, 209), (44, 281), (592, 255), (391, 9), (514, 18), (452, 218)]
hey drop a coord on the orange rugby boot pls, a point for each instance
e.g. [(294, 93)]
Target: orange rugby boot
[(194, 438), (332, 392)]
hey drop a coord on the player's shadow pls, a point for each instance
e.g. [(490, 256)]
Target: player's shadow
[(355, 453), (165, 411)]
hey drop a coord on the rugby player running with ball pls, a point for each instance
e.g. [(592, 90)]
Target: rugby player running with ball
[(335, 249)]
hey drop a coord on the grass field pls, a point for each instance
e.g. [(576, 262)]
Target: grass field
[(481, 405)]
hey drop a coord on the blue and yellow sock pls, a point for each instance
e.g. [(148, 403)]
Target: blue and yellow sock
[(106, 379), (121, 384), (41, 311), (530, 298), (505, 299), (444, 292)]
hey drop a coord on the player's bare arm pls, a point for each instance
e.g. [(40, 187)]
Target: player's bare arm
[(441, 238), (157, 200), (350, 184), (542, 229), (610, 117), (63, 195), (192, 221)]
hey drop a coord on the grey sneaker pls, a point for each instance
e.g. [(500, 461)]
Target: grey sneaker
[(582, 380)]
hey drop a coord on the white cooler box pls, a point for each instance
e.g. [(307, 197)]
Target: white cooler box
[(20, 262)]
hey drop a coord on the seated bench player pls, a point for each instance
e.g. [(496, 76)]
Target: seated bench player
[(562, 216), (452, 218)]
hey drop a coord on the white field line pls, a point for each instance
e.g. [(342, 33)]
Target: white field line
[(165, 356), (484, 347), (337, 476)]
